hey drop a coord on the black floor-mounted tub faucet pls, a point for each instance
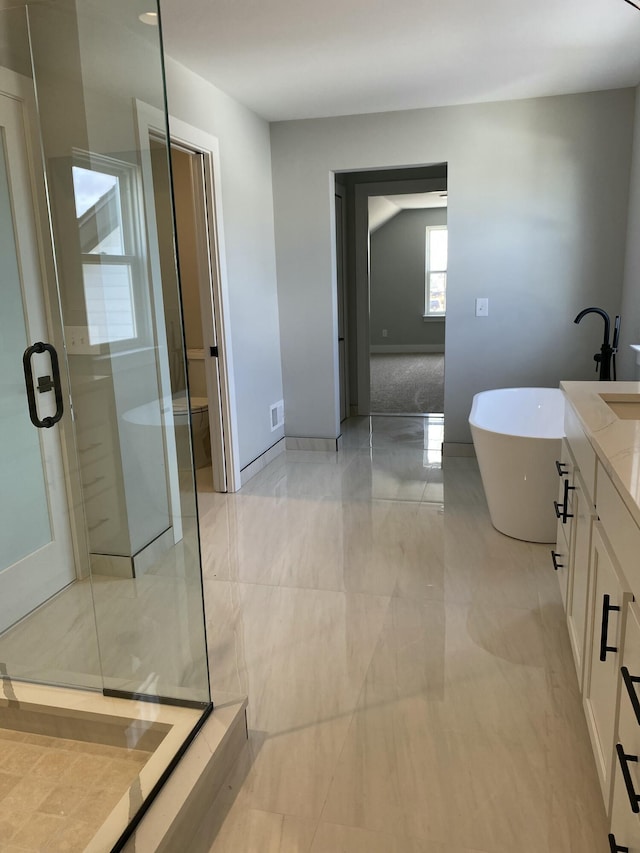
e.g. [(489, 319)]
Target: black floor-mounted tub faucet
[(606, 358)]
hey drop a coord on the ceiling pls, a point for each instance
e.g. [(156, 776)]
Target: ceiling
[(382, 208), (288, 59)]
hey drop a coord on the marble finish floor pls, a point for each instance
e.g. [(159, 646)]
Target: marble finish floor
[(410, 681)]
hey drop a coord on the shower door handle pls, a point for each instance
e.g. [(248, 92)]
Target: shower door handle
[(44, 384)]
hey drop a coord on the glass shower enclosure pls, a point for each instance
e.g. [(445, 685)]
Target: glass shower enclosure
[(103, 656)]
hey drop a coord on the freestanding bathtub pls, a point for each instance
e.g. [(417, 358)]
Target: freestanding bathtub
[(517, 433)]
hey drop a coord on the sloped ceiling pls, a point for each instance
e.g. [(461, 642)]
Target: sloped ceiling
[(382, 208)]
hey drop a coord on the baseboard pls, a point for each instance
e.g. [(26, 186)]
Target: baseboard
[(379, 349), (305, 443), (457, 448), (261, 462)]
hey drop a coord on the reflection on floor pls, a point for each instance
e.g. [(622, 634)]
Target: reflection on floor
[(411, 687), (55, 793)]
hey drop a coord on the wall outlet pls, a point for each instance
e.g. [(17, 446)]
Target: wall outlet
[(385, 333), (482, 306), (77, 340), (276, 415)]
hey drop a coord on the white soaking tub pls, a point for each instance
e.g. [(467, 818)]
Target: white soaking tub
[(517, 433)]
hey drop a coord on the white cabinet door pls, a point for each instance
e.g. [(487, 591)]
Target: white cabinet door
[(577, 594), (608, 603), (561, 554), (625, 807)]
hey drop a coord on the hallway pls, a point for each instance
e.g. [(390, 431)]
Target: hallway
[(411, 686)]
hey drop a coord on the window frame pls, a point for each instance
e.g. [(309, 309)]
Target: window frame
[(132, 256), (429, 314)]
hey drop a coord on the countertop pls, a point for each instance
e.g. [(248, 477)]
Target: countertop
[(615, 441)]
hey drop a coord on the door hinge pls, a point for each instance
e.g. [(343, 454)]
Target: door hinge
[(213, 352)]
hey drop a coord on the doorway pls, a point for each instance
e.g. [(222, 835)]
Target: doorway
[(396, 310), (408, 241), (194, 190), (203, 369)]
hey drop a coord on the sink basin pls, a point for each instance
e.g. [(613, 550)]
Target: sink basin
[(624, 406)]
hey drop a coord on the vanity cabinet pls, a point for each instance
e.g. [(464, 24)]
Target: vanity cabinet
[(602, 596)]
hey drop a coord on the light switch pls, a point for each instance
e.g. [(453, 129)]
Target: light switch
[(482, 306)]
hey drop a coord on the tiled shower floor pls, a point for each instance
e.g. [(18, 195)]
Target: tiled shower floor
[(56, 793)]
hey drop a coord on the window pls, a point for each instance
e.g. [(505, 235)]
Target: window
[(103, 193), (435, 304)]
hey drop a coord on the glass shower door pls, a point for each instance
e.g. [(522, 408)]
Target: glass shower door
[(37, 556)]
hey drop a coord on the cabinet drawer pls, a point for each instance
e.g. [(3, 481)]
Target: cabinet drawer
[(93, 443), (582, 451), (620, 528)]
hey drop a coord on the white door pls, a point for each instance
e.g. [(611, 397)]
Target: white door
[(36, 555)]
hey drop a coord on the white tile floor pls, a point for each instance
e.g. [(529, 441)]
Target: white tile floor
[(411, 687)]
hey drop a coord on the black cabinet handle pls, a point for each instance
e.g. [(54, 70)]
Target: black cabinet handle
[(40, 347), (604, 630), (554, 559), (614, 847), (559, 467), (624, 759), (629, 681), (562, 510)]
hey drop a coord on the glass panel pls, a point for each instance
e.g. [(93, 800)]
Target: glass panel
[(112, 213), (438, 239), (437, 292), (24, 513), (130, 581), (109, 300), (99, 212)]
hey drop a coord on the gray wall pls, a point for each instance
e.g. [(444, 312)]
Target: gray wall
[(537, 194), (247, 208), (397, 281)]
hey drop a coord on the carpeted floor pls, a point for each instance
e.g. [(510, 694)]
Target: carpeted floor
[(411, 383)]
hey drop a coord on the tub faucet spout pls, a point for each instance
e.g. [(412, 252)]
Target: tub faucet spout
[(607, 352)]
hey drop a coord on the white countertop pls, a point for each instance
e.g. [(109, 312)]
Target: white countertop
[(615, 441)]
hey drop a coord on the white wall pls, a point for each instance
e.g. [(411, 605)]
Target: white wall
[(537, 200), (630, 327), (249, 240)]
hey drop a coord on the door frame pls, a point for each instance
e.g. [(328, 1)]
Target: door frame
[(342, 300), (215, 302)]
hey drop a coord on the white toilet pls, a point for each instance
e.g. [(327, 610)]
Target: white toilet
[(199, 406)]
